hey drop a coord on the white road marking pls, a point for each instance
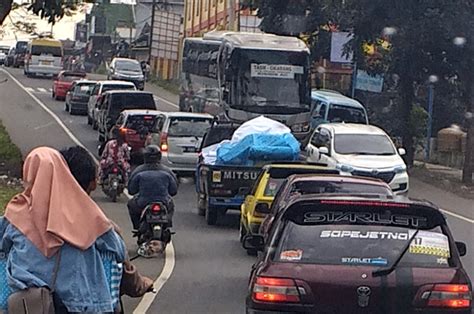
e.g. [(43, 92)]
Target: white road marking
[(165, 101), (147, 300), (30, 89), (42, 90), (457, 216)]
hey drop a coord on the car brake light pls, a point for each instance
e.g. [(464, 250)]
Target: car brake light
[(147, 118), (115, 170), (155, 208), (164, 142), (364, 203), (268, 289), (447, 296), (125, 131)]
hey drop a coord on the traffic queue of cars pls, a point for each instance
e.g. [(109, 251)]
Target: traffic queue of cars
[(333, 233), (332, 237)]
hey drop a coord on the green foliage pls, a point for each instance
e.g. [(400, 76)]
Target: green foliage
[(8, 150), (6, 194)]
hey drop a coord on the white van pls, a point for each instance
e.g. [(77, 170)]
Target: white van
[(44, 56)]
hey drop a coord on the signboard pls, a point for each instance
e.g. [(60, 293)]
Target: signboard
[(284, 71), (338, 41), (166, 35), (369, 83)]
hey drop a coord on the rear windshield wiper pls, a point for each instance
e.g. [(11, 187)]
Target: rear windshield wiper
[(388, 270)]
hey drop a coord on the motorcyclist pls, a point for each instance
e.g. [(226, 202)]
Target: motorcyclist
[(115, 152), (151, 182)]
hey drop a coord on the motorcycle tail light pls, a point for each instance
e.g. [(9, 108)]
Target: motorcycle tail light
[(115, 170), (156, 208)]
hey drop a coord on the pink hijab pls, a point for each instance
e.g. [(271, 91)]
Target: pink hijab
[(53, 208)]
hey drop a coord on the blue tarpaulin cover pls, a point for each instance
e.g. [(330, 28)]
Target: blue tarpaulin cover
[(258, 147)]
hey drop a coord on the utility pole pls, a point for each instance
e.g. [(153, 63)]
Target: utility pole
[(152, 28), (231, 6)]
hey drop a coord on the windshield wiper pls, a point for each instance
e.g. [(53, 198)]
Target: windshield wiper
[(388, 270)]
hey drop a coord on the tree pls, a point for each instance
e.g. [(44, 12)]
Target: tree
[(46, 9)]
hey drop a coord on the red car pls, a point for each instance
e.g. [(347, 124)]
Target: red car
[(297, 185), (62, 83), (329, 255)]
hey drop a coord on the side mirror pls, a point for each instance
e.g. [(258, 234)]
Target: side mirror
[(323, 150), (254, 242), (462, 249), (262, 208), (402, 151)]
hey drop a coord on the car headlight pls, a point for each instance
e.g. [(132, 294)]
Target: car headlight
[(344, 168), (300, 127), (400, 169)]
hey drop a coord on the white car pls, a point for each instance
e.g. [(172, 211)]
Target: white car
[(360, 150), (95, 97)]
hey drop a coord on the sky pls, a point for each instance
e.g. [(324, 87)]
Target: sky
[(63, 29)]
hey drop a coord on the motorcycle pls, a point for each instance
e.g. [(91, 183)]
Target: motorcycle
[(155, 225), (113, 185)]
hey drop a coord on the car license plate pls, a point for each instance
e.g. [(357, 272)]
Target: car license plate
[(189, 149), (46, 62)]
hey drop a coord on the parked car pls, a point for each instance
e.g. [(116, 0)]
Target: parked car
[(4, 50), (62, 83), (96, 96), (10, 57), (44, 56), (331, 106), (135, 126), (179, 135), (259, 199), (127, 70), (114, 102), (78, 95), (358, 255), (300, 185), (360, 150)]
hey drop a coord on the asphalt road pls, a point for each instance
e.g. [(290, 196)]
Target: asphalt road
[(211, 270)]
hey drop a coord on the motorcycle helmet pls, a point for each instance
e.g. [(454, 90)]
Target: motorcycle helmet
[(151, 154)]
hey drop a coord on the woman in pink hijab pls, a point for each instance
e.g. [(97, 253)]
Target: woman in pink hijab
[(54, 215)]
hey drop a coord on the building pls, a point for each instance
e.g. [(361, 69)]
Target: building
[(202, 16)]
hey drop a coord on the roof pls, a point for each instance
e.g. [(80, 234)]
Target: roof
[(353, 128), (125, 60), (141, 112), (340, 178), (297, 165), (187, 114), (111, 82), (85, 82), (258, 40), (136, 92), (47, 42), (334, 97)]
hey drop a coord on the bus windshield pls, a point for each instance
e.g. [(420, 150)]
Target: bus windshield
[(272, 79)]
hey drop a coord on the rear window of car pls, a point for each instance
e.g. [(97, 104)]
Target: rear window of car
[(124, 101), (137, 122), (272, 187), (108, 87), (217, 135), (71, 77), (54, 51), (362, 245), (338, 113), (21, 46), (334, 187), (82, 89), (188, 127)]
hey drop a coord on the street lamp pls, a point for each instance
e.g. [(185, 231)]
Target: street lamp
[(429, 132)]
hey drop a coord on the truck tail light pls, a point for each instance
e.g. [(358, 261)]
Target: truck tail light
[(452, 296), (267, 289), (164, 142)]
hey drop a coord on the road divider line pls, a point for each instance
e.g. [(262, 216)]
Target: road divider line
[(457, 216), (168, 268), (166, 101)]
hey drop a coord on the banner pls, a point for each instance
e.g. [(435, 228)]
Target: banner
[(284, 71), (338, 41), (369, 83)]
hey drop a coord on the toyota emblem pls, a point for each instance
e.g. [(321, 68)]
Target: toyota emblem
[(363, 293), (375, 172)]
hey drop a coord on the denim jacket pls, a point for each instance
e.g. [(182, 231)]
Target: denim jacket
[(81, 280)]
